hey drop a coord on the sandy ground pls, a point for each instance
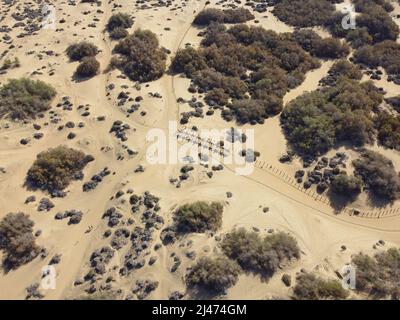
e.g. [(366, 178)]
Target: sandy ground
[(319, 231)]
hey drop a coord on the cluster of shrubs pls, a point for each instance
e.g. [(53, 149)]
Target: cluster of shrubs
[(117, 25), (243, 251), (341, 68), (347, 186), (312, 287), (388, 127), (55, 168), (385, 54), (314, 122), (140, 56), (24, 98), (84, 52), (378, 276), (88, 68), (258, 254), (375, 21), (213, 274), (378, 174), (208, 16), (329, 48), (199, 216), (305, 13), (80, 50), (247, 69), (17, 240)]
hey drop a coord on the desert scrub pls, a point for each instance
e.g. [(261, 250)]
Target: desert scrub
[(198, 217), (17, 240), (89, 67), (258, 254), (378, 276), (304, 13), (310, 41), (118, 33), (378, 174), (314, 122), (119, 20), (140, 56), (78, 51), (311, 287), (24, 99), (346, 186), (213, 274), (385, 54), (55, 168), (207, 16), (244, 70)]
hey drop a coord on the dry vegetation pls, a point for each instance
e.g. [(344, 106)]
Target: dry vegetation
[(378, 174), (140, 56), (378, 276), (17, 240), (55, 168), (249, 66), (213, 274), (312, 287), (208, 16), (316, 121), (198, 217), (25, 99), (258, 254)]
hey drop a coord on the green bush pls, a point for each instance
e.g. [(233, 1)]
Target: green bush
[(198, 217), (140, 58), (119, 20), (24, 98), (378, 174), (17, 240), (311, 287), (78, 51), (213, 274), (55, 168), (259, 254), (89, 67)]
